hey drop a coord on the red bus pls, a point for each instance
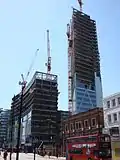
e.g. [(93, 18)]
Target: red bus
[(90, 147)]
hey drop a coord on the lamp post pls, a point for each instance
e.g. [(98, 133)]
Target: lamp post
[(19, 122), (63, 142), (11, 133), (99, 129), (34, 143)]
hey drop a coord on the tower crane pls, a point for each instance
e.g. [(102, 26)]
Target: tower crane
[(81, 4), (24, 80), (23, 85), (48, 64)]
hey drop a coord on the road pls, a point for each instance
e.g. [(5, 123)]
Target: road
[(30, 156)]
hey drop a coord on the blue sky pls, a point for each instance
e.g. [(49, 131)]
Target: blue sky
[(23, 26)]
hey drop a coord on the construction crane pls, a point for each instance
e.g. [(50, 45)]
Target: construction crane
[(48, 64), (81, 4), (23, 87), (24, 80)]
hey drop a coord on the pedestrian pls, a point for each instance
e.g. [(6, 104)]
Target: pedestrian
[(5, 155), (57, 154), (49, 154)]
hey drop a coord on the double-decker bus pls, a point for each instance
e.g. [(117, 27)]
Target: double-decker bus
[(90, 147)]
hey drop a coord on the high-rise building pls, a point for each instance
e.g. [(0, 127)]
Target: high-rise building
[(84, 78), (4, 120), (62, 115), (39, 112)]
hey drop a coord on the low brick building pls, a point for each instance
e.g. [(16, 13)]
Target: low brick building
[(85, 123)]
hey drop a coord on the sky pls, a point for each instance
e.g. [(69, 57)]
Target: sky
[(23, 26)]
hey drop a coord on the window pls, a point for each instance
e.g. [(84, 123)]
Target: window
[(78, 151), (118, 100), (104, 139), (114, 131), (66, 128), (93, 122), (86, 123), (76, 125), (109, 118), (108, 104), (80, 125), (113, 102), (71, 126), (119, 116), (115, 117)]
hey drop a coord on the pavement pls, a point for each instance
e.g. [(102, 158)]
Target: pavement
[(30, 156)]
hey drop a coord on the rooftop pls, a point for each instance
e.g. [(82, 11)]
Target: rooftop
[(42, 76), (112, 95)]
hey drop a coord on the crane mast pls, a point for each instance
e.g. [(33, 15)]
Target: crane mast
[(48, 64), (81, 4)]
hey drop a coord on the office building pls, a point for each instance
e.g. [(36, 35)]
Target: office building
[(84, 77), (39, 112), (62, 115), (4, 122)]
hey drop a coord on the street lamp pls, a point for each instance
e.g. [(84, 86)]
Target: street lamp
[(19, 121), (11, 133), (63, 143), (35, 140)]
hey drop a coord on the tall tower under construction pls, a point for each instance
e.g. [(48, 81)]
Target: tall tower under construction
[(84, 77)]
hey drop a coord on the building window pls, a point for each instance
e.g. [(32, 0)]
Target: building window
[(86, 123), (80, 125), (113, 102), (71, 126), (93, 122), (66, 128), (119, 116), (109, 118), (115, 117), (76, 125), (114, 131), (118, 100), (108, 104)]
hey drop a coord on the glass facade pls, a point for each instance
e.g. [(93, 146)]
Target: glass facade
[(4, 123), (26, 128), (84, 97)]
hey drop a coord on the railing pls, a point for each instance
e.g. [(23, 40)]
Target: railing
[(41, 76)]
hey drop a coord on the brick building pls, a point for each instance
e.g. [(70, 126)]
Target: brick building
[(85, 123)]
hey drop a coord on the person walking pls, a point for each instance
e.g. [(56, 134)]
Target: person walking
[(5, 155), (49, 154)]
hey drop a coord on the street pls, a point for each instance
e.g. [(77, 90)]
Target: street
[(30, 156)]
